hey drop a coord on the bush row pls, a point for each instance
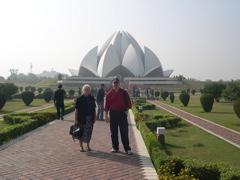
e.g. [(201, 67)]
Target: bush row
[(157, 120)]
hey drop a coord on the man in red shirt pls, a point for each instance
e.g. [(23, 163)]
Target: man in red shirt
[(118, 103)]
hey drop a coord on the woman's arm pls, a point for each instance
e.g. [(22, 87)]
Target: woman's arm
[(76, 116)]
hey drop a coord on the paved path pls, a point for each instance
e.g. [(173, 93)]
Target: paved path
[(222, 132), (50, 153)]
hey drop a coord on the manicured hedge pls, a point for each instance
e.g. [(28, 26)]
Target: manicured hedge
[(169, 166)]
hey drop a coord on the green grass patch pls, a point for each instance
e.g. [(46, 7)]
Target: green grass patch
[(222, 112), (18, 104)]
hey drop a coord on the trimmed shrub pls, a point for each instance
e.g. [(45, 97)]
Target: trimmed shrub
[(140, 117), (172, 97), (47, 95), (184, 98), (3, 100), (157, 94), (71, 92), (207, 101), (39, 96), (164, 95), (193, 91), (39, 90), (236, 107), (27, 97), (16, 96)]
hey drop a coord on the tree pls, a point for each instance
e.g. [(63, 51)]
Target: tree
[(8, 89), (207, 101), (184, 98), (3, 99), (215, 89), (27, 97), (232, 91), (39, 90), (59, 77), (236, 107)]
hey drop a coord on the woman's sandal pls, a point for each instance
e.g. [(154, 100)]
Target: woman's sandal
[(81, 149)]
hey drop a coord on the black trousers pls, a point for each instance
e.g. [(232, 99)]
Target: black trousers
[(60, 110), (119, 119)]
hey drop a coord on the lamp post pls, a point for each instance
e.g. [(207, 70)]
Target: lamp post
[(160, 134)]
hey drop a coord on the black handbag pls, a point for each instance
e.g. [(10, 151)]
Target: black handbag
[(75, 131)]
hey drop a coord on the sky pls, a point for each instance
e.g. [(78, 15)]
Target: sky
[(198, 39)]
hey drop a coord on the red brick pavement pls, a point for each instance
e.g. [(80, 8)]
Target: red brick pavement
[(224, 133), (50, 153)]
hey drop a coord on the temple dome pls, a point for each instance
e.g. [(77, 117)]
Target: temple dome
[(121, 55)]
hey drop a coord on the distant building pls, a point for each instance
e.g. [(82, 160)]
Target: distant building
[(48, 74)]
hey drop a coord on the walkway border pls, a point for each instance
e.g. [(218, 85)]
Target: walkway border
[(146, 162)]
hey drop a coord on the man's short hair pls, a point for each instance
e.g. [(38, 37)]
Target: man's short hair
[(59, 86), (115, 80), (102, 84)]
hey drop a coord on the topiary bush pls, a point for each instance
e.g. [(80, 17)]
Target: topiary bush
[(207, 101), (236, 107), (164, 95), (47, 95), (184, 98), (172, 97), (3, 100), (157, 94), (27, 97)]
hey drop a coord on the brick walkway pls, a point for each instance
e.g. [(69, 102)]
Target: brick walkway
[(50, 153), (222, 132)]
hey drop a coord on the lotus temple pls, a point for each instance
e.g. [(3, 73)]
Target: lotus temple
[(122, 57)]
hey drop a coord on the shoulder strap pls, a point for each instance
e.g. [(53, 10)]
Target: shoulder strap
[(126, 102)]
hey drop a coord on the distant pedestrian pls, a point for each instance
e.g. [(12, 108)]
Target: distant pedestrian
[(118, 103), (59, 101), (100, 102), (85, 116)]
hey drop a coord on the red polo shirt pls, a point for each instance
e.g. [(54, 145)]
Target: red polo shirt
[(116, 100)]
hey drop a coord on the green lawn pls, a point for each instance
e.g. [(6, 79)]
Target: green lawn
[(222, 112), (189, 140), (18, 104)]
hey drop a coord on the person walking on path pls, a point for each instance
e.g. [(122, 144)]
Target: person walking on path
[(100, 102), (118, 103), (85, 116), (59, 101)]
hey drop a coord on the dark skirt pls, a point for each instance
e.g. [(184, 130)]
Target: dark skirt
[(87, 130)]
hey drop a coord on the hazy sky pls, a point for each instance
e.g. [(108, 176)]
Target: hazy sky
[(197, 38)]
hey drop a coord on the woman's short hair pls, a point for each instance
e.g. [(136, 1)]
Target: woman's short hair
[(86, 86)]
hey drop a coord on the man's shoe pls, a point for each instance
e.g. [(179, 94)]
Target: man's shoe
[(62, 118), (114, 150), (129, 152), (89, 149)]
